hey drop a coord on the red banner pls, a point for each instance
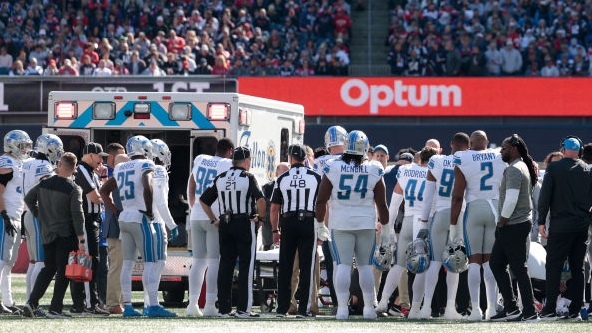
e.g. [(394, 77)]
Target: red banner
[(400, 96)]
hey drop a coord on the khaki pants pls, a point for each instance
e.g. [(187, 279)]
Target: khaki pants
[(314, 296), (114, 297)]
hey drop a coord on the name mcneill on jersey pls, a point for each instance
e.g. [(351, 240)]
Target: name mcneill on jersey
[(354, 168)]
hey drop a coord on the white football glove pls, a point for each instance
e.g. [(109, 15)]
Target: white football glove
[(454, 232), (322, 232), (385, 235), (424, 232)]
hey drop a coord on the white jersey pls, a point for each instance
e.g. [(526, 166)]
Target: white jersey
[(33, 171), (131, 190), (442, 168), (14, 199), (321, 161), (412, 178), (205, 169), (483, 171), (160, 205), (352, 197)]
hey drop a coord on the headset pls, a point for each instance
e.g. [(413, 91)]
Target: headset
[(581, 152)]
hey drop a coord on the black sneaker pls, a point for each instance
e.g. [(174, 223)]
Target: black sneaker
[(305, 315), (29, 311), (15, 310), (548, 316), (505, 316), (57, 315), (529, 318), (573, 317), (96, 311), (280, 315), (244, 314)]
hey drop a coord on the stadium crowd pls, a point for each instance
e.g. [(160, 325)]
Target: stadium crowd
[(176, 37), (476, 38)]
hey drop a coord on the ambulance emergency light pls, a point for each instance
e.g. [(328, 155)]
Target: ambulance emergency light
[(299, 127), (66, 110), (141, 111), (218, 111), (244, 117), (103, 110), (180, 111)]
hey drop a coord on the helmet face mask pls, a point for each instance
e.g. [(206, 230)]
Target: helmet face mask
[(455, 258), (335, 136), (418, 256), (51, 146), (161, 151), (18, 144), (356, 143), (383, 257), (139, 145)]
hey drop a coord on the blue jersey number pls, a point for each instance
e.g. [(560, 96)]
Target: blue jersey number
[(412, 192), (203, 179), (486, 166), (361, 186), (446, 182), (126, 186)]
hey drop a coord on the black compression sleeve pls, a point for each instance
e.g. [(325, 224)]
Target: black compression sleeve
[(5, 178)]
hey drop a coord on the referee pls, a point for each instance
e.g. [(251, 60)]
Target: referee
[(295, 196), (238, 193)]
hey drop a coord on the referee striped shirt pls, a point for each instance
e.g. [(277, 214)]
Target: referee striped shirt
[(88, 180), (297, 189), (237, 192)]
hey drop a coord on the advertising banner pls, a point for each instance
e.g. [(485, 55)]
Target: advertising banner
[(402, 96)]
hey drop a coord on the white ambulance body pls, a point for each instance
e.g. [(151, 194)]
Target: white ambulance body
[(191, 124)]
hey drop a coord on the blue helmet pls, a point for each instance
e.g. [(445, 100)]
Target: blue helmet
[(51, 146), (356, 143), (161, 151), (335, 136), (139, 145), (18, 144)]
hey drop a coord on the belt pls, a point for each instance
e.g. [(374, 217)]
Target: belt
[(228, 217), (299, 214)]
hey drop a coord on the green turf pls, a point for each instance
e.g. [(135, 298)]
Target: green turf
[(266, 324)]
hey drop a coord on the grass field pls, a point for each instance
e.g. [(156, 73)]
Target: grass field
[(267, 323)]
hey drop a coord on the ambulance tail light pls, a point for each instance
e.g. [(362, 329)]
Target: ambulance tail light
[(299, 126), (141, 111), (103, 110), (66, 110), (244, 117), (180, 111), (218, 111)]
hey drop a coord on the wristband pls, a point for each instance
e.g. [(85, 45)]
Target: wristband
[(81, 241), (213, 221), (275, 231)]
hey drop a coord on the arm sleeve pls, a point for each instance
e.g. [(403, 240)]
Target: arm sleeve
[(161, 205), (396, 200), (510, 202), (428, 198)]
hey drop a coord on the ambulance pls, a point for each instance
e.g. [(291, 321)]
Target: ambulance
[(191, 124)]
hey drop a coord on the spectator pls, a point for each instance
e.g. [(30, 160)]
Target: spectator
[(270, 68), (17, 69), (203, 68), (220, 67), (120, 68), (90, 51), (477, 62), (154, 69), (549, 70), (171, 65), (68, 69), (102, 70), (304, 70), (414, 64), (137, 65), (238, 69), (287, 69), (453, 60), (33, 68), (493, 59), (87, 67), (511, 60), (52, 69), (342, 23), (5, 61)]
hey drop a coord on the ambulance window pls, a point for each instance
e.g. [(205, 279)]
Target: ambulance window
[(73, 144), (204, 145), (284, 145)]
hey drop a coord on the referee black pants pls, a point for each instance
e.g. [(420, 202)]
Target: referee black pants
[(561, 246), (237, 240), (296, 235), (511, 249), (92, 228)]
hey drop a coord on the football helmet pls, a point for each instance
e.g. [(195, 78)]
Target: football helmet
[(161, 151), (335, 136), (418, 256), (139, 145), (455, 257), (383, 257), (18, 144), (51, 146), (356, 143)]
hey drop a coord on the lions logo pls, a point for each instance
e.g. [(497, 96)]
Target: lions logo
[(270, 164)]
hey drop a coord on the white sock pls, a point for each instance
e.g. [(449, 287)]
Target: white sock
[(431, 279), (212, 281), (391, 283), (155, 278), (28, 283), (342, 282), (6, 282), (196, 277), (451, 287), (418, 289), (490, 285), (150, 279), (366, 277), (126, 281), (474, 281)]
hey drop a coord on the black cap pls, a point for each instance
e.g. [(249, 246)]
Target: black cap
[(241, 153), (297, 151), (94, 148), (406, 157)]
